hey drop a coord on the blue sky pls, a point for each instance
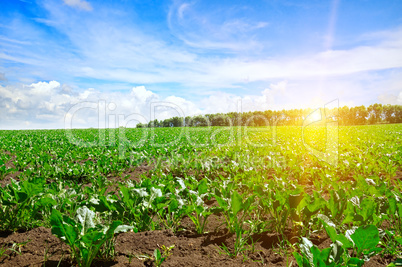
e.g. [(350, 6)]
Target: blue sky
[(201, 56)]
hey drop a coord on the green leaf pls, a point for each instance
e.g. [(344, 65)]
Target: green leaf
[(236, 203), (331, 231), (398, 262), (333, 203), (199, 209), (222, 203), (392, 205), (355, 262), (365, 238), (305, 248), (367, 208), (21, 196), (301, 261), (92, 237), (64, 231), (294, 200), (114, 228), (349, 213), (123, 228), (46, 201), (320, 258), (203, 187), (337, 251), (85, 216), (157, 254), (173, 205)]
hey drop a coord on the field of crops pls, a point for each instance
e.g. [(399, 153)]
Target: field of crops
[(202, 196)]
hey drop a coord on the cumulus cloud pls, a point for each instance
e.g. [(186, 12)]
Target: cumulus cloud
[(80, 4), (391, 99), (2, 77), (221, 102), (51, 105)]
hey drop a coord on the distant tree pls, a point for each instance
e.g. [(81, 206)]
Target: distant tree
[(398, 113), (361, 115), (389, 113), (188, 121), (177, 121), (200, 120), (376, 113)]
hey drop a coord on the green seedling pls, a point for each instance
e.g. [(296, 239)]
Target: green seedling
[(82, 235)]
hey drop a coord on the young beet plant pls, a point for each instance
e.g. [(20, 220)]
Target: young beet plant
[(363, 241), (188, 200), (235, 211), (197, 212), (82, 235), (20, 204)]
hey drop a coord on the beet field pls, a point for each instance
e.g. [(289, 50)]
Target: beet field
[(202, 196)]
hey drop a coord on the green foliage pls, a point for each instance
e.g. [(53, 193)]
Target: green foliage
[(362, 240), (160, 257), (84, 237), (365, 239), (21, 204), (259, 179)]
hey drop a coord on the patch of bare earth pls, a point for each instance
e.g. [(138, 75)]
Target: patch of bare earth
[(137, 172), (132, 174), (10, 164), (189, 250)]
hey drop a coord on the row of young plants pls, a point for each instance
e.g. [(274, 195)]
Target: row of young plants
[(247, 209), (266, 183), (51, 154)]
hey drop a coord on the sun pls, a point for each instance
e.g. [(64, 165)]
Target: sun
[(314, 116)]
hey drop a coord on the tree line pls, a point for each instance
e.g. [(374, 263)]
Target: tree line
[(359, 115)]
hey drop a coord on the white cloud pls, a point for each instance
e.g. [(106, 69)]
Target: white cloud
[(391, 99), (46, 104), (182, 8), (44, 88), (220, 102), (142, 94), (80, 4)]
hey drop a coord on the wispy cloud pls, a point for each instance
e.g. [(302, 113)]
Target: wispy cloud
[(117, 52), (2, 77), (213, 29), (80, 4)]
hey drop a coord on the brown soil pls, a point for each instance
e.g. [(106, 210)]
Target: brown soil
[(10, 164), (133, 174), (137, 172), (189, 250)]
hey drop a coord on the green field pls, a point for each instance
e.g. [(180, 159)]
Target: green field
[(341, 182)]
